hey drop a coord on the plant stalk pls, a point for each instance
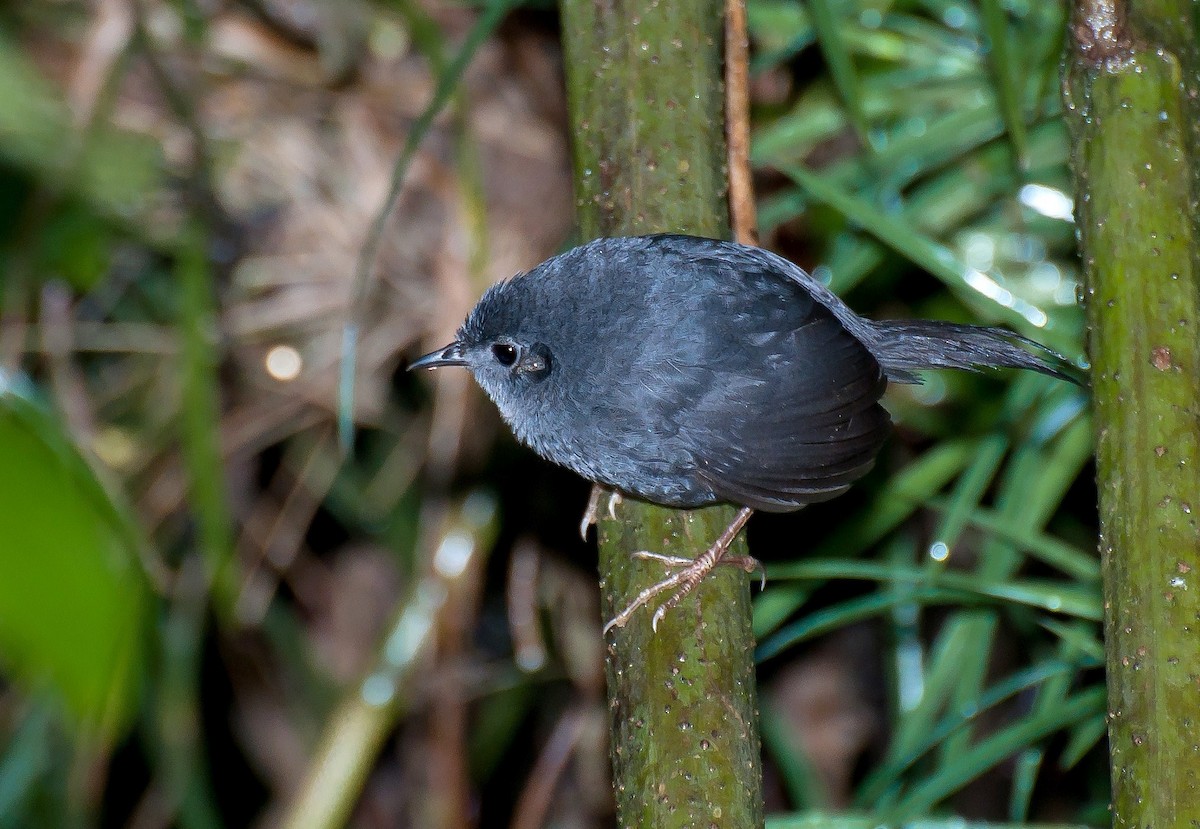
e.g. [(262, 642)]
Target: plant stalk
[(1132, 92)]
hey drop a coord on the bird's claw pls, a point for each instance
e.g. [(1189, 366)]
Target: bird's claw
[(591, 512), (614, 498), (679, 579), (689, 575)]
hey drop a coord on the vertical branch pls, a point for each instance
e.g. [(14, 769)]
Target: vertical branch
[(1132, 98), (646, 98), (743, 213)]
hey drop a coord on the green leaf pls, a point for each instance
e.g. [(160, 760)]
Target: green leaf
[(804, 784), (850, 612), (1057, 596), (843, 820), (906, 492), (934, 732), (1005, 68), (1050, 550), (972, 285), (774, 606), (995, 749), (780, 30), (26, 758), (73, 598), (1084, 737), (75, 246), (112, 169), (841, 66)]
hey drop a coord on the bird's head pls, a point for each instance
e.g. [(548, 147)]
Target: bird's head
[(495, 344)]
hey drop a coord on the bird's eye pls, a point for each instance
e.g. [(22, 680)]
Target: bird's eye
[(505, 353)]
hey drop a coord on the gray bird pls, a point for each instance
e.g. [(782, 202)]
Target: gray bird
[(688, 372)]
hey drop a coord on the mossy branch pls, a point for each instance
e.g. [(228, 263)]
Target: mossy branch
[(1132, 95)]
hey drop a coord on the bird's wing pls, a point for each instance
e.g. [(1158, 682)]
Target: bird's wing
[(789, 412)]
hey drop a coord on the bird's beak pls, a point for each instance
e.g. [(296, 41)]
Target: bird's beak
[(450, 355)]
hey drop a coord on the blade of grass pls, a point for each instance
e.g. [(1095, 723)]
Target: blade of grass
[(912, 150), (1060, 555), (1083, 639), (951, 21), (772, 607), (498, 719), (200, 411), (850, 612), (781, 30), (805, 788), (883, 785), (843, 820), (1025, 772), (1081, 739), (969, 489), (970, 284), (176, 736), (1064, 598), (908, 649), (1057, 596), (1050, 695), (1005, 74), (991, 751), (841, 66), (887, 775), (26, 758), (938, 206), (895, 503), (903, 495), (1034, 483)]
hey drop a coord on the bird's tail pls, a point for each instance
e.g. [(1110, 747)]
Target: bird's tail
[(905, 346)]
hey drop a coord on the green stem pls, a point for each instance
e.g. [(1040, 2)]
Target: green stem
[(201, 415), (1132, 95)]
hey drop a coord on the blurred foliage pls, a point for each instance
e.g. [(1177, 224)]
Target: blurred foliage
[(72, 590), (958, 167), (196, 584)]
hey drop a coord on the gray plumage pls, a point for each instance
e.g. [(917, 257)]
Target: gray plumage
[(688, 371)]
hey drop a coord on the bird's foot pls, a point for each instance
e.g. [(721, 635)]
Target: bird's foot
[(591, 512), (747, 564), (689, 574)]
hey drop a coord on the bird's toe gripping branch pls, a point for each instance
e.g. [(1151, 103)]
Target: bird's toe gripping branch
[(689, 574), (591, 513)]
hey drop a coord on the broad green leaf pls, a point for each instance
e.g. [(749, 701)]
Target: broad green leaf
[(111, 169), (73, 598)]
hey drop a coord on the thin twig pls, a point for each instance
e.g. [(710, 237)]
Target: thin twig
[(447, 84), (538, 793), (743, 216)]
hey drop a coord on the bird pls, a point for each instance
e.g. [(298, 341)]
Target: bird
[(688, 371)]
